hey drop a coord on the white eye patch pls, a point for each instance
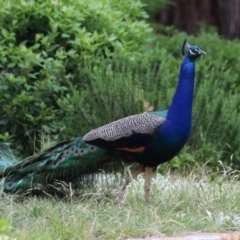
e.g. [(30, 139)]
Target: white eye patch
[(193, 53)]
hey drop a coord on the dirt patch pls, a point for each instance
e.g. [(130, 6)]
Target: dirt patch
[(197, 236)]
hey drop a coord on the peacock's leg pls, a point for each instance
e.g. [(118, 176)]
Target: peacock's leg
[(134, 173), (148, 182)]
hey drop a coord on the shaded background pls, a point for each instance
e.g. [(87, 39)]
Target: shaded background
[(187, 14)]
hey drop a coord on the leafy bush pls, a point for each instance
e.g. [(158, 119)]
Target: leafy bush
[(44, 45)]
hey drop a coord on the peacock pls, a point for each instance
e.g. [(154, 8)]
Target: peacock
[(147, 139)]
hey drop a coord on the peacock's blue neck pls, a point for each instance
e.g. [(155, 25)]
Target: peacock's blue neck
[(180, 110), (174, 132)]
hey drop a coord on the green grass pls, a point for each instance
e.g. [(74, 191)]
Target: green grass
[(179, 205)]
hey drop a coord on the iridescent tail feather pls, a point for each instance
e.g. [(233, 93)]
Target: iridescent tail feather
[(68, 161)]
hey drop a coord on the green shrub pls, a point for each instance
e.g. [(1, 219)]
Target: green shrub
[(44, 45), (115, 88)]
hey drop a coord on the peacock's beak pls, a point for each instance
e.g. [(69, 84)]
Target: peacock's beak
[(201, 52)]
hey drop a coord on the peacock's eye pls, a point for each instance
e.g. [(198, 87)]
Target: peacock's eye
[(192, 51)]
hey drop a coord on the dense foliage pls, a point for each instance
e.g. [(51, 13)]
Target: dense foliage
[(44, 46)]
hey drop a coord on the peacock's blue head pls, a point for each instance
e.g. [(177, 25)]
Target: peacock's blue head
[(193, 52)]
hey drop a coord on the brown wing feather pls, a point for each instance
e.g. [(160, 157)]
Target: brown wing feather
[(144, 123)]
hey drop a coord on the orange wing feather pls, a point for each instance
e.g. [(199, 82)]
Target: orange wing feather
[(135, 150)]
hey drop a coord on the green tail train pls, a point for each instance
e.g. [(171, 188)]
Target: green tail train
[(67, 161)]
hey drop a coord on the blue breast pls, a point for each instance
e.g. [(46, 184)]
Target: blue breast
[(173, 134)]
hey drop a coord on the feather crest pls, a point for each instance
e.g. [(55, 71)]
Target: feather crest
[(185, 47)]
